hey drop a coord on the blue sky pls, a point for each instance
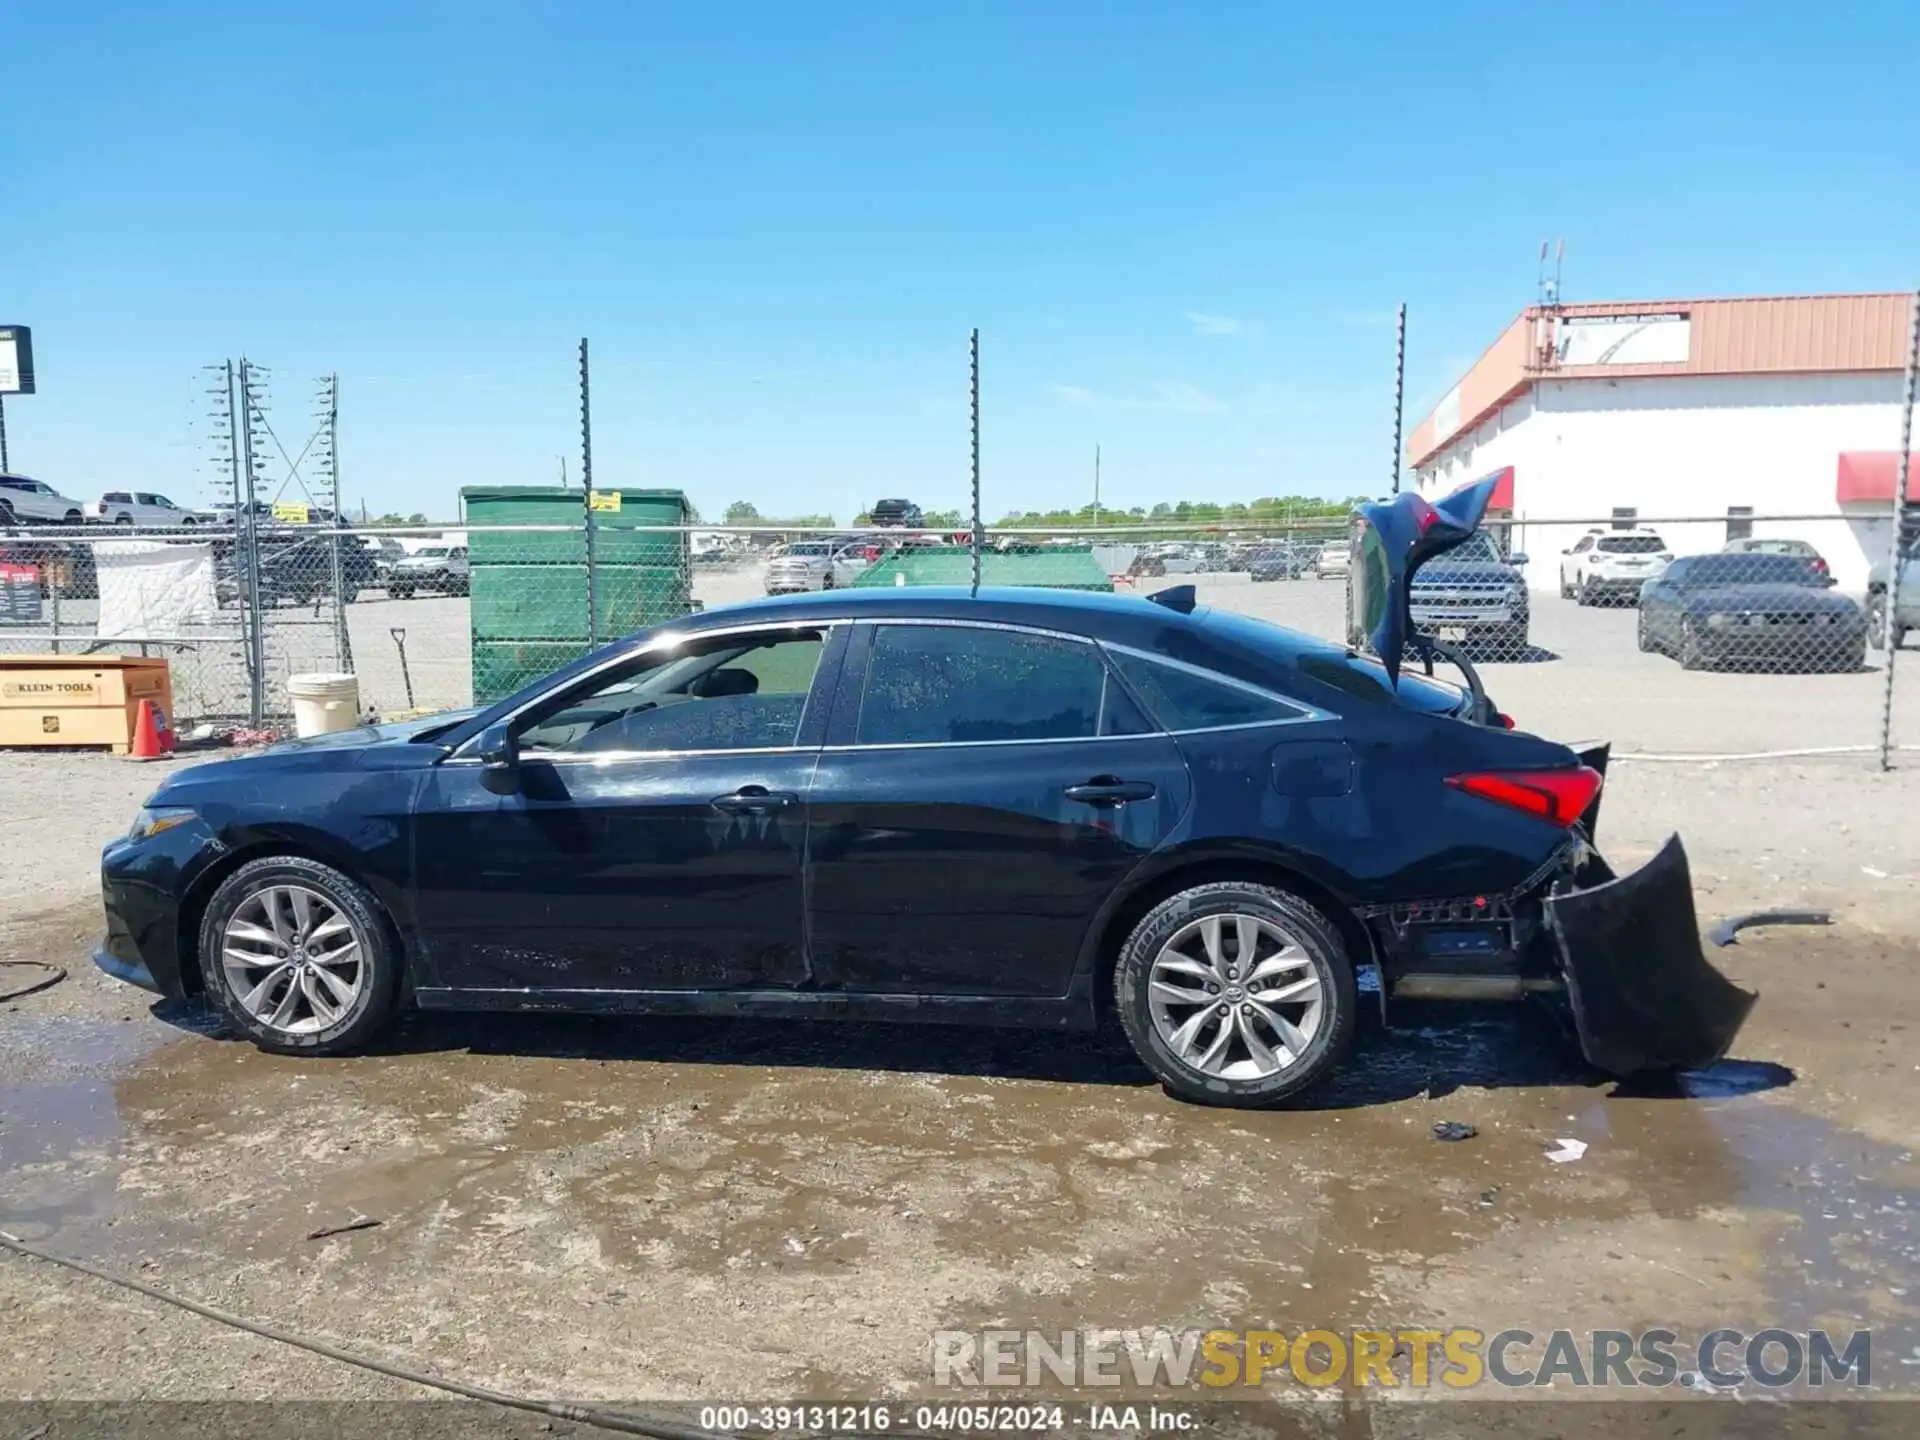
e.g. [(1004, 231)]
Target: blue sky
[(1181, 229)]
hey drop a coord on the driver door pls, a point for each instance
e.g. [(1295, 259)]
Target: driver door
[(656, 835)]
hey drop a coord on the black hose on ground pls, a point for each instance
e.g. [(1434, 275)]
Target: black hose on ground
[(657, 1429), (55, 974)]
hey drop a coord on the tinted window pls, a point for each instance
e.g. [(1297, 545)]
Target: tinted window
[(1184, 699), (728, 694), (1360, 676), (1477, 546), (1631, 545), (940, 684), (1747, 569)]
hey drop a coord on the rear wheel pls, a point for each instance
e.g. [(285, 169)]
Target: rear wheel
[(400, 591), (1586, 594), (1643, 635), (299, 957), (1236, 994), (123, 519)]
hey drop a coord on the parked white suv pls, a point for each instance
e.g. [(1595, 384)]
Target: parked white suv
[(34, 502), (1612, 564), (140, 507)]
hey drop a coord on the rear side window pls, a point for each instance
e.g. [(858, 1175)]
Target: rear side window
[(1182, 698), (952, 684), (117, 497)]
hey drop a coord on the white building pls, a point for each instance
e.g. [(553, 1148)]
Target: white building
[(1706, 419)]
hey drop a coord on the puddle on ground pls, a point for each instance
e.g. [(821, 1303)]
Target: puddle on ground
[(993, 1178)]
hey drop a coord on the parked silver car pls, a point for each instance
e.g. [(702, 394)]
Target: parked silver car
[(34, 502)]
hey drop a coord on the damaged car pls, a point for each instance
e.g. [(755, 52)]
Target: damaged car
[(1022, 808)]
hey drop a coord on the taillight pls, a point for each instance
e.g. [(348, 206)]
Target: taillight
[(1559, 797), (1503, 720)]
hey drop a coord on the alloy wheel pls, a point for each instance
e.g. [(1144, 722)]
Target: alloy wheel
[(1236, 997), (293, 959)]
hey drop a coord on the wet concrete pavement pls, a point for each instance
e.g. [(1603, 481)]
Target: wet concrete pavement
[(627, 1209)]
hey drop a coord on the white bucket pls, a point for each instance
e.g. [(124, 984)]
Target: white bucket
[(324, 702)]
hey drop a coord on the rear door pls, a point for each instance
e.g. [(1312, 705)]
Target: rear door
[(984, 789)]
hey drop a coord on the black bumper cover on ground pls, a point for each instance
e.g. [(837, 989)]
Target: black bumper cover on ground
[(1644, 996)]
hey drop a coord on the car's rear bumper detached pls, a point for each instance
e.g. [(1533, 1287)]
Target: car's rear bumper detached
[(1643, 994)]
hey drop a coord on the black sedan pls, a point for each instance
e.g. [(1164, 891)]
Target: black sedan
[(1751, 610), (1020, 808), (1282, 560)]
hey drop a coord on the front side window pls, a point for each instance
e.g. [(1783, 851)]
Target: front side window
[(959, 684), (728, 693), (1182, 698)]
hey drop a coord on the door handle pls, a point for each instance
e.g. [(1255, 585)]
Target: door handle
[(753, 800), (1105, 791)]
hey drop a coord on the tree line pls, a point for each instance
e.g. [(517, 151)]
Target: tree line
[(1268, 510)]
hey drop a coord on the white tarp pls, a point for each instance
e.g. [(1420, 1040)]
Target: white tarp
[(151, 589)]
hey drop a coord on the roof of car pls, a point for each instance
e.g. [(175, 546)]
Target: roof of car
[(1068, 609)]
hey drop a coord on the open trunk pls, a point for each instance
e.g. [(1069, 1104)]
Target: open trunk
[(1625, 951)]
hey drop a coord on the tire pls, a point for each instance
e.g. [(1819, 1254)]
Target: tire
[(1877, 621), (1693, 654), (1643, 636), (400, 592), (1509, 642), (1852, 659), (257, 912), (1239, 1078), (123, 519), (1566, 587), (1583, 593)]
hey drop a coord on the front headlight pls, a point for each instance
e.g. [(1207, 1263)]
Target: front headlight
[(152, 819), (1516, 593), (1719, 622)]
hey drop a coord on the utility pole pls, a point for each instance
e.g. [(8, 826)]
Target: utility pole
[(5, 468), (1399, 390)]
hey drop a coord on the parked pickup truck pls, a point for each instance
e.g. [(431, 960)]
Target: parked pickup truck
[(1474, 595), (1907, 617)]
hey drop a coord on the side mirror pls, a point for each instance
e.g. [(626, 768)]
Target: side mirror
[(499, 761), (1517, 558)]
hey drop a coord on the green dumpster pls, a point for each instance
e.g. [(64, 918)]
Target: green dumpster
[(528, 588), (1055, 567)]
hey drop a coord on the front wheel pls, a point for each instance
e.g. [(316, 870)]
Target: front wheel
[(299, 957), (1643, 635), (1236, 994), (400, 592)]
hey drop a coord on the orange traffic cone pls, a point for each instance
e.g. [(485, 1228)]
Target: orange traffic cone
[(152, 736)]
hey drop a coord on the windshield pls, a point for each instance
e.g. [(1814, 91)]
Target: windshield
[(1478, 546), (1748, 569), (431, 552), (1630, 545)]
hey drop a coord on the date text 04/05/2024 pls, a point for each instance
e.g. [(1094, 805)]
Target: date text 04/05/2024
[(962, 1418)]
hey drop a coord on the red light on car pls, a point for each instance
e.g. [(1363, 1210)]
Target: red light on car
[(1503, 720), (1559, 797)]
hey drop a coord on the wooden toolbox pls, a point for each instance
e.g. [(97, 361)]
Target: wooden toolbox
[(79, 699)]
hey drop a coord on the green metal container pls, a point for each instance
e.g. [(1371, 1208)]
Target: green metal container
[(1054, 568), (528, 606), (549, 602), (501, 667), (615, 541)]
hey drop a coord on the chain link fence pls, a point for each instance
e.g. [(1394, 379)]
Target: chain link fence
[(1688, 637)]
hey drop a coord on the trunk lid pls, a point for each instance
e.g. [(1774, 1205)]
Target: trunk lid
[(1392, 540)]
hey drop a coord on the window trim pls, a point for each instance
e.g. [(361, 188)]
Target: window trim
[(466, 753), (1305, 713)]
